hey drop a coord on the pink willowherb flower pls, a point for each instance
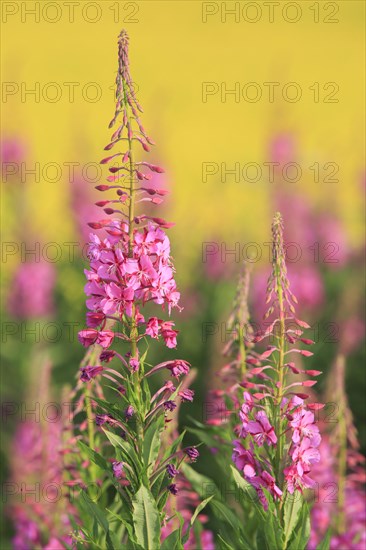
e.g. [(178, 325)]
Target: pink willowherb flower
[(261, 430)]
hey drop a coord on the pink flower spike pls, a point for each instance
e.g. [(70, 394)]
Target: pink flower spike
[(163, 223), (154, 168), (258, 370), (267, 353), (316, 406), (115, 177), (301, 395), (292, 367), (313, 372), (302, 324), (303, 352), (102, 187), (261, 396), (108, 159), (306, 353)]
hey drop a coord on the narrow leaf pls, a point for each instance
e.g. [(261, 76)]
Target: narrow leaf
[(146, 519)]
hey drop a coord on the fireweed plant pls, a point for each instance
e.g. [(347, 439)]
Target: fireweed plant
[(275, 444), (278, 438), (131, 267)]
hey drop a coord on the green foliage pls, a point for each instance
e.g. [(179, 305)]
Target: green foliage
[(146, 519)]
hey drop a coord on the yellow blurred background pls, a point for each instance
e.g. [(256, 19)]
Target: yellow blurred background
[(225, 86), (176, 48)]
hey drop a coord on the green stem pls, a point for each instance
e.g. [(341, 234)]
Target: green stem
[(242, 350), (89, 414), (281, 343)]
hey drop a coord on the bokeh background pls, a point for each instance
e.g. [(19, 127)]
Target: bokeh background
[(58, 71)]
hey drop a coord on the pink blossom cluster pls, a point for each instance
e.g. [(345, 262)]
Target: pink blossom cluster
[(305, 440), (255, 472), (254, 458), (117, 280)]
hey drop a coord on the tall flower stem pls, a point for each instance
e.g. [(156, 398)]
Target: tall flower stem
[(131, 213), (281, 343), (91, 358), (342, 437), (279, 272), (130, 266)]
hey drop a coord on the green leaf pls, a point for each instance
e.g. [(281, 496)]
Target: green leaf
[(94, 456), (91, 508), (152, 442), (128, 452), (325, 543), (301, 532), (174, 540), (111, 408), (172, 448), (225, 513), (146, 519), (203, 435), (223, 545), (126, 520), (270, 534), (249, 491), (199, 508), (292, 507), (199, 482)]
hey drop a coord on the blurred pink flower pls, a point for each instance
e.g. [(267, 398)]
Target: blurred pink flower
[(325, 508), (31, 290), (39, 521), (216, 266), (332, 242), (12, 150), (307, 285), (282, 148), (299, 227), (352, 334)]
